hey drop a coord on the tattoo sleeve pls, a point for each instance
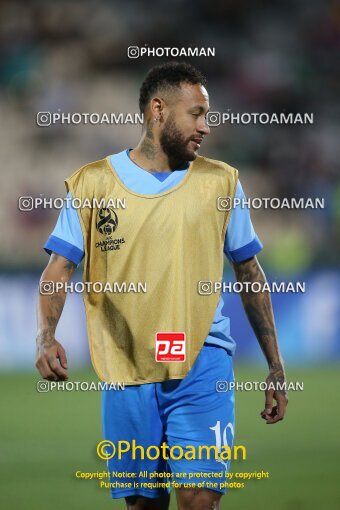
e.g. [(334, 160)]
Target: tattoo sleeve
[(51, 306), (259, 311)]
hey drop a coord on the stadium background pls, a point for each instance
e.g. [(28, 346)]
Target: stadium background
[(270, 57)]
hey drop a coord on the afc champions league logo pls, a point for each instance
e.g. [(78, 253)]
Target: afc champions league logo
[(106, 221)]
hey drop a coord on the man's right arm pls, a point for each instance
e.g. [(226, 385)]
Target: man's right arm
[(51, 358)]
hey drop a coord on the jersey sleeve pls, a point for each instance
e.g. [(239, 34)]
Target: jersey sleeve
[(241, 241), (67, 237)]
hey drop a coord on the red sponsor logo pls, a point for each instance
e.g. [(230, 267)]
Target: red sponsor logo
[(170, 346)]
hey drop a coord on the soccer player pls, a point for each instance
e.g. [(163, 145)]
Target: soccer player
[(171, 234)]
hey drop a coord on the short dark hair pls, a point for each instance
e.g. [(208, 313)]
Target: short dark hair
[(171, 74)]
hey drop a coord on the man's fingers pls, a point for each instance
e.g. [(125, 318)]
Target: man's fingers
[(279, 410), (52, 362), (57, 368), (272, 417), (269, 401), (61, 354), (273, 414), (44, 369)]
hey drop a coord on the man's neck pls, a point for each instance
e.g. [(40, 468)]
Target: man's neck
[(150, 156)]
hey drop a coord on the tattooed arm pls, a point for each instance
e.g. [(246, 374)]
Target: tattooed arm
[(259, 310), (51, 358)]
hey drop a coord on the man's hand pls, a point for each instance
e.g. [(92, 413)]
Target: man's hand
[(273, 414), (51, 360)]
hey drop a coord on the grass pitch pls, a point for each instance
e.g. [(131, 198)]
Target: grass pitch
[(47, 437)]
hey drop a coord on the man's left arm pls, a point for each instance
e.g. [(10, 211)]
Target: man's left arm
[(258, 308)]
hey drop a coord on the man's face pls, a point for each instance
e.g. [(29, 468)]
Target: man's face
[(185, 125)]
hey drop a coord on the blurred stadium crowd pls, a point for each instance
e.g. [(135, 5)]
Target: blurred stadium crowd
[(280, 56)]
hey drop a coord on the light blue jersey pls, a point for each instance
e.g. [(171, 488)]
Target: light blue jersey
[(241, 241)]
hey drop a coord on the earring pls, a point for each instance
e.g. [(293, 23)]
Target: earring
[(155, 119)]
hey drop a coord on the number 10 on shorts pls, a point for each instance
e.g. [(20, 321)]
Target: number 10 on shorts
[(170, 346)]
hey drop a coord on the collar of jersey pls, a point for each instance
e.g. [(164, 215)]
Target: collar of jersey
[(140, 181)]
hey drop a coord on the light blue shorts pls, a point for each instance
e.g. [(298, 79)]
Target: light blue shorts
[(190, 412)]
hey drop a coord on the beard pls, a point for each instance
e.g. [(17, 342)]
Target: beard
[(174, 144)]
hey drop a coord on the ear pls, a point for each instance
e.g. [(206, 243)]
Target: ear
[(157, 107)]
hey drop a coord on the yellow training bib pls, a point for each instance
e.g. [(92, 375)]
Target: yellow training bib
[(168, 243)]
